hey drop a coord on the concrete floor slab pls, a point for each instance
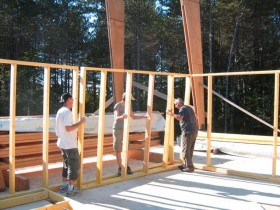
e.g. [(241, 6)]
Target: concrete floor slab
[(175, 189), (178, 190)]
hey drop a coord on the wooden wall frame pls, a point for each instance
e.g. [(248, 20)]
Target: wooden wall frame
[(18, 198)]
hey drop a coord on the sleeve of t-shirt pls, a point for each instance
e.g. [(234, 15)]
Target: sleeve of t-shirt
[(68, 120), (181, 112), (116, 107)]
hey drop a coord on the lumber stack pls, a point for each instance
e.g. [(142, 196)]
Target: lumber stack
[(21, 182), (29, 146), (28, 151)]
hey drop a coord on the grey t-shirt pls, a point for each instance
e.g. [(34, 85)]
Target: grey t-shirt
[(118, 124), (188, 124)]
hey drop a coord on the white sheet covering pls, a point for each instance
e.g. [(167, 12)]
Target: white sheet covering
[(35, 124)]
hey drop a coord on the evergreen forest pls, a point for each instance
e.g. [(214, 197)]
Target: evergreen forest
[(237, 35)]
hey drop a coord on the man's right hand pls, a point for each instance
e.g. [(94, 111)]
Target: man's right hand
[(83, 120)]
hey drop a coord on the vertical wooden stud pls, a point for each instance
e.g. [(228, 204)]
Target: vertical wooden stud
[(82, 99), (75, 93), (12, 145), (101, 122), (148, 132), (46, 119), (169, 106), (275, 123), (187, 99), (126, 123), (209, 119), (171, 133)]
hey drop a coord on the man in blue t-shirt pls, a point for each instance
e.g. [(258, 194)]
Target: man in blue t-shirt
[(189, 128)]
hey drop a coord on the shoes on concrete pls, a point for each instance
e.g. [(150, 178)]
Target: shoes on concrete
[(63, 188), (74, 192), (187, 169), (181, 167), (129, 172)]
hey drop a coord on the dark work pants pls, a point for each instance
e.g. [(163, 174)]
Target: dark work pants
[(188, 142), (71, 163)]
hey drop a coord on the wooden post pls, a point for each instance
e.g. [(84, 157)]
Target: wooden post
[(75, 93), (169, 106), (209, 119), (125, 152), (171, 133), (82, 99), (275, 123), (12, 145), (115, 22), (192, 30), (101, 122), (46, 119), (187, 99), (149, 122)]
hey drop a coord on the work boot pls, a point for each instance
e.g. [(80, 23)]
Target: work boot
[(129, 172), (187, 169), (74, 192), (63, 188), (181, 167)]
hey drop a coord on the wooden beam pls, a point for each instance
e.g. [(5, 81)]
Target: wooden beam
[(115, 23), (275, 123), (171, 133), (209, 120), (101, 122), (241, 109), (23, 198), (27, 63), (238, 173), (239, 73), (54, 195), (82, 101), (169, 106), (240, 138), (187, 98), (192, 30), (57, 206), (144, 72), (148, 132), (23, 138), (12, 145), (46, 117), (126, 123), (108, 103), (75, 94), (155, 92)]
